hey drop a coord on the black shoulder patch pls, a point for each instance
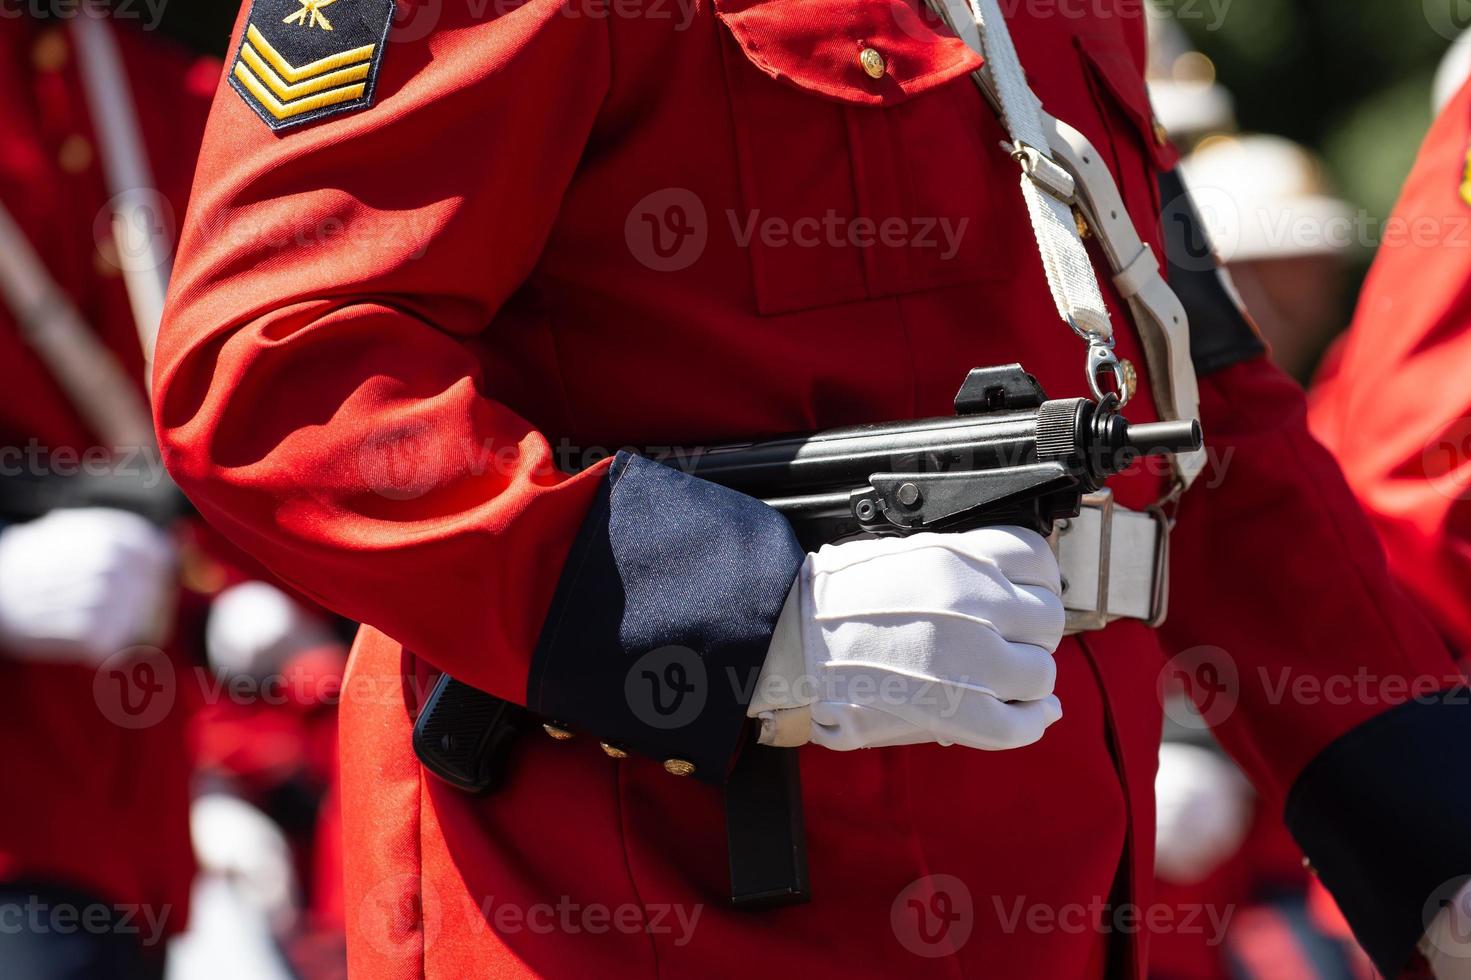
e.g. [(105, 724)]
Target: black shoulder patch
[(304, 60)]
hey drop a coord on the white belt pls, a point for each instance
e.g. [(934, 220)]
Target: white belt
[(1115, 564)]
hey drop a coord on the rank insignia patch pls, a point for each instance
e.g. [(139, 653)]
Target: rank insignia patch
[(304, 60)]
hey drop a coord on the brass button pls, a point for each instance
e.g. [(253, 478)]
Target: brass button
[(1084, 231), (1130, 376), (679, 767), (557, 732), (1161, 135), (613, 751), (49, 53), (872, 62), (75, 154)]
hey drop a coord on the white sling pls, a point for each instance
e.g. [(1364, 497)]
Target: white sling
[(1061, 171)]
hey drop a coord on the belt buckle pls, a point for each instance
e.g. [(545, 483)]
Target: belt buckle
[(1159, 596), (1084, 620)]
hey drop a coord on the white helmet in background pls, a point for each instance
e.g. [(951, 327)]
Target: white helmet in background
[(1266, 197), (1187, 100), (1454, 69), (254, 629)]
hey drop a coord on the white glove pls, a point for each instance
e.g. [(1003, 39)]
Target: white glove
[(235, 841), (1203, 810), (942, 638), (254, 629), (80, 585)]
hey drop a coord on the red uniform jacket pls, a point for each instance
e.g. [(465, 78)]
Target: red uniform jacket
[(531, 234), (86, 801), (1393, 401)]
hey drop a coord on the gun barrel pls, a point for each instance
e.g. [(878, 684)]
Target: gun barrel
[(1160, 438)]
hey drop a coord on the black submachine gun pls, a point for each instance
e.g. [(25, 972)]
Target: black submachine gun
[(1008, 456)]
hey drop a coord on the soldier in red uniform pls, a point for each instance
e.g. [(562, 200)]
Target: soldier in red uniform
[(95, 862), (1393, 399), (435, 273)]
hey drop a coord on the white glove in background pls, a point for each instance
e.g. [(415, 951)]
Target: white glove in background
[(239, 843), (1203, 811), (254, 628), (81, 584), (943, 638)]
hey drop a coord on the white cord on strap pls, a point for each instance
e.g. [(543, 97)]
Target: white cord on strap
[(142, 250), (86, 370), (1070, 273)]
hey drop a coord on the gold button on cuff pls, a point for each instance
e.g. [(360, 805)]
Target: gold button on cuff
[(1161, 135), (679, 767), (872, 62), (613, 751), (49, 53), (557, 732)]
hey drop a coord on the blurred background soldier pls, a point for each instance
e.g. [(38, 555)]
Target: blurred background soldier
[(1393, 398), (94, 843), (1283, 234), (108, 611)]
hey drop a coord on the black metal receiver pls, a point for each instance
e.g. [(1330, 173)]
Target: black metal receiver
[(1008, 456)]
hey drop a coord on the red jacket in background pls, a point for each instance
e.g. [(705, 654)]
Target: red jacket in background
[(1393, 401), (95, 786)]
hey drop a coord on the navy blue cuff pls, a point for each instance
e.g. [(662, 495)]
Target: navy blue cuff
[(1384, 816), (662, 617)]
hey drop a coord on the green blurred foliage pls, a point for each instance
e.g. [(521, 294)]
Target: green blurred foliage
[(1349, 78)]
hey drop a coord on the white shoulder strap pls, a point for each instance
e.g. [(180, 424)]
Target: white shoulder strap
[(1061, 170), (145, 254), (1047, 193), (86, 370)]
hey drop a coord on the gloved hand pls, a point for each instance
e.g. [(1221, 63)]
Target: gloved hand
[(942, 638), (1203, 810), (82, 584), (254, 629)]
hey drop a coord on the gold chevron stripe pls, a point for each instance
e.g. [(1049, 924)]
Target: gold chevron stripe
[(281, 110), (291, 73), (286, 92)]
